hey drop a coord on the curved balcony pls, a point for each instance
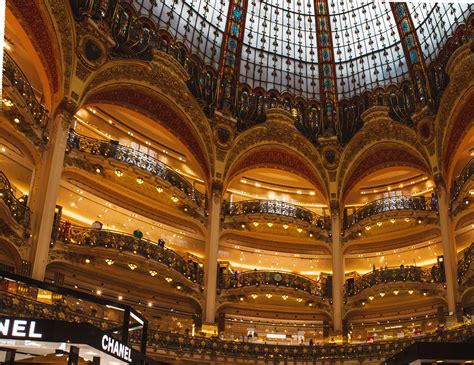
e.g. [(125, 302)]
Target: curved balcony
[(17, 207), (394, 275), (259, 278), (464, 265), (277, 208), (74, 235), (461, 180), (112, 149), (15, 79), (392, 204)]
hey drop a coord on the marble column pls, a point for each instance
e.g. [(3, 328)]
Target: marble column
[(45, 189), (448, 242), (337, 268), (212, 249)]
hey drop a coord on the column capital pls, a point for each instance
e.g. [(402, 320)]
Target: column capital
[(334, 206), (67, 108), (440, 181)]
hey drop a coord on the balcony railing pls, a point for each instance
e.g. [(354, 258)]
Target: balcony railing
[(18, 80), (391, 204), (275, 207), (464, 264), (112, 149), (128, 243), (17, 207), (392, 275), (258, 278), (461, 179)]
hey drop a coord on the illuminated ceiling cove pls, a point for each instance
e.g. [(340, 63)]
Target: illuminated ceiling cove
[(279, 49)]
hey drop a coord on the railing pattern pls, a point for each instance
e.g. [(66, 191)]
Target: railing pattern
[(398, 274), (396, 203), (270, 278), (123, 242), (18, 209), (20, 305), (461, 179), (275, 207), (112, 149), (19, 81), (465, 263)]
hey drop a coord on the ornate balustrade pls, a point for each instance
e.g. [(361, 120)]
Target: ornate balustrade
[(394, 274), (21, 305), (127, 243), (396, 203), (461, 179), (18, 209), (258, 278), (112, 149), (464, 265), (275, 207), (13, 76)]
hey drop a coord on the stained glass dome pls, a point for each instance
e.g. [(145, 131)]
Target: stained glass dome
[(279, 46)]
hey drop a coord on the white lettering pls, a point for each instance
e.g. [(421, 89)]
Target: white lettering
[(127, 354), (19, 328), (32, 333), (121, 349), (116, 348), (4, 326), (105, 339), (110, 347)]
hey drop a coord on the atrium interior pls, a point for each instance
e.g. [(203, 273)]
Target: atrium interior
[(236, 182)]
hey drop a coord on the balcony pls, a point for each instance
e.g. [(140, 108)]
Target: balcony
[(121, 242), (277, 208), (270, 278), (465, 270), (113, 150), (393, 205), (461, 185), (18, 97), (17, 206), (408, 274)]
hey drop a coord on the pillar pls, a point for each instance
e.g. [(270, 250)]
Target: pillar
[(337, 268), (212, 249), (448, 242), (44, 192)]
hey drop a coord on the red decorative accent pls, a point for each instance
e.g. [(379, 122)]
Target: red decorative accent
[(378, 158), (460, 126), (277, 158), (31, 17), (145, 102)]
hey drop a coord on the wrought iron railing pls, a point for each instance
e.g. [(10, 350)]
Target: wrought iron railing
[(112, 149), (393, 274), (275, 207), (395, 203), (461, 179), (17, 206), (122, 242), (18, 80), (464, 264), (259, 278)]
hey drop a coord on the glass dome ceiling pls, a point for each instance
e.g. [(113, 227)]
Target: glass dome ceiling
[(279, 49)]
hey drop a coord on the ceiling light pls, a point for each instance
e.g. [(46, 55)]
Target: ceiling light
[(363, 303), (16, 120), (269, 224), (242, 226), (109, 261), (255, 224), (299, 229), (3, 149), (98, 292), (299, 299), (88, 261), (150, 304), (392, 220), (174, 198), (312, 193), (140, 180), (269, 295), (311, 235), (159, 189), (382, 294), (285, 226), (419, 220), (241, 298), (153, 272), (168, 279), (119, 173), (368, 228), (254, 296), (298, 192), (379, 224), (284, 297), (371, 297), (98, 169), (7, 102), (179, 287), (410, 291), (359, 234), (119, 297), (132, 266), (407, 219), (396, 291)]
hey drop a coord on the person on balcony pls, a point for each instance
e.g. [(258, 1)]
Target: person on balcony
[(138, 234), (96, 225)]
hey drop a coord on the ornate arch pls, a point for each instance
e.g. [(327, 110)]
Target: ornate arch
[(34, 18), (380, 132), (11, 252), (260, 145), (379, 156), (157, 90), (24, 145)]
